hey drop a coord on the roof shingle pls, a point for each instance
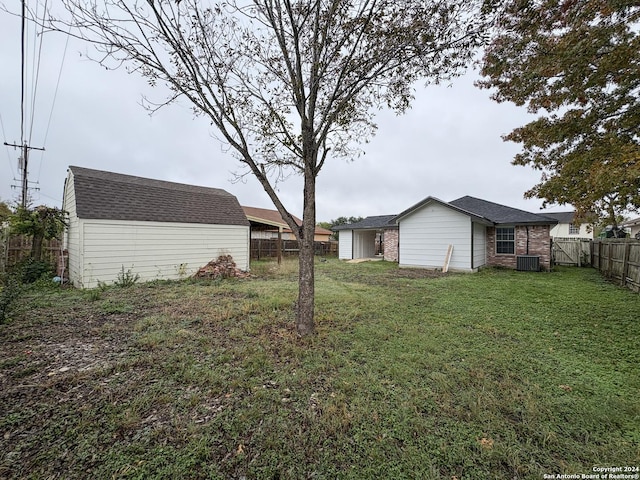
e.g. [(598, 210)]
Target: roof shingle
[(377, 222), (561, 217), (114, 196), (501, 214)]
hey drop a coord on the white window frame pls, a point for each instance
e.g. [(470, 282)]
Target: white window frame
[(506, 241)]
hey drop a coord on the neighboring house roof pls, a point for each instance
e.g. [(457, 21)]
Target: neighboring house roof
[(273, 218), (114, 196), (561, 217), (323, 231), (632, 223), (501, 214), (369, 223), (267, 217)]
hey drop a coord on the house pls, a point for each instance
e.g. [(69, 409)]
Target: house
[(565, 227), (268, 224), (633, 227), (152, 228), (372, 236), (475, 232)]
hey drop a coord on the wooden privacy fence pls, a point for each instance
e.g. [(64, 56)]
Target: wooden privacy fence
[(14, 248), (268, 248), (571, 251), (618, 259)]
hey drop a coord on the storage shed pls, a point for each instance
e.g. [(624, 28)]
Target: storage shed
[(152, 228)]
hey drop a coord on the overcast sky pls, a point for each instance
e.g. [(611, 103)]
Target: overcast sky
[(447, 146)]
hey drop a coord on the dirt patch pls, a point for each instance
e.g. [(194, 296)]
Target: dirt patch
[(415, 273)]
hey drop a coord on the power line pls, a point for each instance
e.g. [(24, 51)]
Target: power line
[(36, 67), (55, 96), (24, 167), (4, 135), (22, 68), (24, 159)]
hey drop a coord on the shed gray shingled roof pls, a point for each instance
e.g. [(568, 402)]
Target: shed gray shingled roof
[(114, 196), (501, 214), (369, 223)]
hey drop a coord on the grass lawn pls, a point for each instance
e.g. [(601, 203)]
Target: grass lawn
[(412, 374)]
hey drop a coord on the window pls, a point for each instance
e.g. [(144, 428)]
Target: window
[(505, 240), (573, 229)]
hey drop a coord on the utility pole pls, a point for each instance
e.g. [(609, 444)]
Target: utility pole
[(23, 166)]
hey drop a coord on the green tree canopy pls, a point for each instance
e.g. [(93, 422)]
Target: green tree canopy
[(577, 64), (40, 223), (5, 212), (338, 221)]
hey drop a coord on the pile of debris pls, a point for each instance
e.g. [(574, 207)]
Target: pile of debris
[(223, 267)]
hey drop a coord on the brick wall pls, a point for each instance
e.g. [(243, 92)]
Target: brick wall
[(539, 244), (391, 245)]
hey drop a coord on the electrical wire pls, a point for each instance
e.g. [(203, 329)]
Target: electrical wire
[(53, 103), (23, 68), (6, 148), (36, 67)]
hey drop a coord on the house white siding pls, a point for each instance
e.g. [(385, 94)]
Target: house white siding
[(426, 234), (155, 250), (479, 245), (561, 230), (345, 245), (364, 243)]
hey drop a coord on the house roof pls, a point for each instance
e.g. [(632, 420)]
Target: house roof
[(273, 218), (369, 223), (477, 217), (632, 223), (267, 217), (114, 196), (561, 217), (485, 212), (501, 214)]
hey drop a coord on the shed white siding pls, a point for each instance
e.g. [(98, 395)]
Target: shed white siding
[(479, 245), (345, 245), (426, 234), (99, 249), (154, 250), (72, 236)]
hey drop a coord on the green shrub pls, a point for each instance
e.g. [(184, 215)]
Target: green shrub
[(10, 290), (30, 270), (126, 279)]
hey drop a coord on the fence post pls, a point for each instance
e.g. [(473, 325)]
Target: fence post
[(279, 246), (625, 262)]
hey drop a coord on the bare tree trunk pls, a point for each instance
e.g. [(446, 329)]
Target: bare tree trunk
[(306, 279)]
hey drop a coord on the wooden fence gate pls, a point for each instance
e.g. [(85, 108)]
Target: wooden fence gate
[(571, 251)]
